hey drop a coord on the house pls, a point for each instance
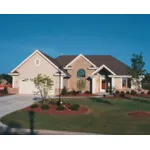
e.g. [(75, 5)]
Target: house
[(95, 73)]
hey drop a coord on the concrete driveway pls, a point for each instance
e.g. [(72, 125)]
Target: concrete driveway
[(9, 104)]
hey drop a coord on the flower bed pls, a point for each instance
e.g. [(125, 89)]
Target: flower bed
[(53, 110), (82, 95), (139, 114)]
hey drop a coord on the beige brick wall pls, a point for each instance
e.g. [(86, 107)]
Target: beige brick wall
[(13, 90), (80, 63)]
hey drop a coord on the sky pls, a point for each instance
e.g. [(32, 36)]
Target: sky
[(116, 35)]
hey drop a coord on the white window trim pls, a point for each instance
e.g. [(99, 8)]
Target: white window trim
[(82, 57), (101, 67)]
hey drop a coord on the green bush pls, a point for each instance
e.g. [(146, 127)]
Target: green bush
[(74, 107), (117, 92), (34, 106), (64, 91), (142, 93), (5, 91), (127, 92), (45, 107), (74, 93), (60, 107), (133, 92), (122, 94), (87, 92)]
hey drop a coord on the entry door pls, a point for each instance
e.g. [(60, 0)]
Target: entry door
[(103, 84)]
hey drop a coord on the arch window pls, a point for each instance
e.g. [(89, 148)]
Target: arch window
[(80, 73)]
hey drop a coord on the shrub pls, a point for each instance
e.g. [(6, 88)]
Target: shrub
[(64, 91), (60, 107), (87, 92), (148, 92), (34, 106), (5, 91), (45, 107), (74, 107), (104, 95), (74, 93), (122, 94), (127, 92), (117, 92), (133, 92), (142, 93)]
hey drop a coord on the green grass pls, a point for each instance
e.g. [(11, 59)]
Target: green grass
[(107, 117)]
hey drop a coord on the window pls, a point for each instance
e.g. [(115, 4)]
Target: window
[(129, 83), (37, 61), (124, 82), (81, 73), (81, 82)]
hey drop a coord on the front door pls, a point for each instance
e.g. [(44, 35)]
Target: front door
[(103, 84)]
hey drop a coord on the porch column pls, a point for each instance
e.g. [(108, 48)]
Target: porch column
[(62, 83), (93, 85), (113, 82)]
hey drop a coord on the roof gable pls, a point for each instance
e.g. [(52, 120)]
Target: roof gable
[(112, 63), (51, 60)]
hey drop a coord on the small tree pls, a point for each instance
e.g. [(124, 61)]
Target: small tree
[(44, 84), (137, 72)]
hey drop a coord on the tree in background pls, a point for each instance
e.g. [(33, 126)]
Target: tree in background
[(137, 72), (6, 77), (44, 84)]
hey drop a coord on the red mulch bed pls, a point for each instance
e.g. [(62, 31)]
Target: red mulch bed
[(82, 95), (139, 114), (53, 111)]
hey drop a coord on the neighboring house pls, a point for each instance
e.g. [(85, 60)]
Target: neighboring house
[(95, 72)]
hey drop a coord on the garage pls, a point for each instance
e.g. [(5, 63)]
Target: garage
[(26, 86)]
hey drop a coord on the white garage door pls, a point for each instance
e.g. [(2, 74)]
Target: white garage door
[(27, 86)]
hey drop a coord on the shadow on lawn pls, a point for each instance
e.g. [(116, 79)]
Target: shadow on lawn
[(16, 125), (140, 100), (100, 100)]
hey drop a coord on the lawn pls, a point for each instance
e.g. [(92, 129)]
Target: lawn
[(107, 117)]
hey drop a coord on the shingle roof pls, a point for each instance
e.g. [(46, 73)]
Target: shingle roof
[(56, 63), (118, 67)]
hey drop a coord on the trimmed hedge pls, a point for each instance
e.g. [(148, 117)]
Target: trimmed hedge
[(87, 92), (60, 107), (117, 92), (122, 94), (34, 106), (74, 107), (133, 92), (45, 107)]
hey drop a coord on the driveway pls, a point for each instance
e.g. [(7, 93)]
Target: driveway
[(9, 104)]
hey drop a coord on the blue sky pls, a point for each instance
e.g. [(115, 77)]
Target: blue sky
[(116, 35)]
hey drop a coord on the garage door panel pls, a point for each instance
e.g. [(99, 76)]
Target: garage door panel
[(27, 87)]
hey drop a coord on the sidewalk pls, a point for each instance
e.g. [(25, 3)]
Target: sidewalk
[(39, 132)]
